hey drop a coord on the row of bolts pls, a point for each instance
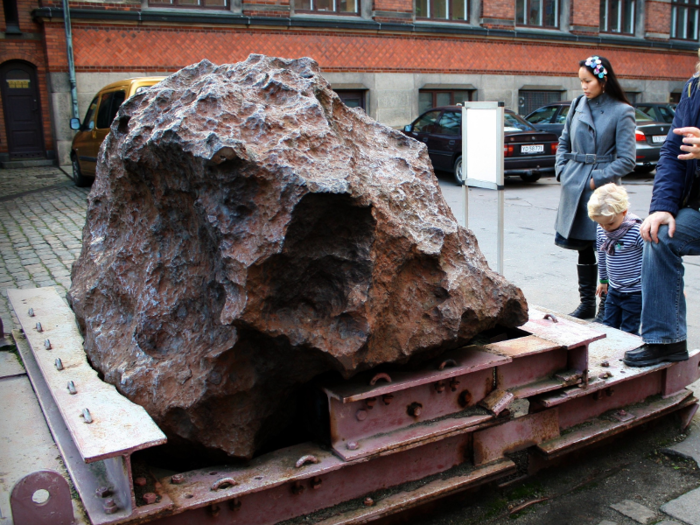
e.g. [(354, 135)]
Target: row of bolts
[(87, 417), (109, 506), (413, 410)]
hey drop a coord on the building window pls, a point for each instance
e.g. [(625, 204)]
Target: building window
[(352, 98), (530, 100), (456, 10), (684, 19), (11, 17), (341, 7), (433, 98), (199, 4), (538, 13), (617, 16)]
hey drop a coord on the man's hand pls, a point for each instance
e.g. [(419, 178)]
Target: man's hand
[(650, 227), (691, 143)]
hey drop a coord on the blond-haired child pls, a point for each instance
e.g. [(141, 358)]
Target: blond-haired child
[(620, 247)]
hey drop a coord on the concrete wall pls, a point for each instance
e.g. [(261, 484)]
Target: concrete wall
[(392, 98)]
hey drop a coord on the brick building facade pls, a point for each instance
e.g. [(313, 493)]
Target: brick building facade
[(392, 57)]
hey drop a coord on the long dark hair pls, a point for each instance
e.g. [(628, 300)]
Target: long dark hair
[(609, 82)]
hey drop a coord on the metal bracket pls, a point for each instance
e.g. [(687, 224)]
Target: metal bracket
[(42, 497)]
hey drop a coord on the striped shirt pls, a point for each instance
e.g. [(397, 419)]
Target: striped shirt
[(624, 269)]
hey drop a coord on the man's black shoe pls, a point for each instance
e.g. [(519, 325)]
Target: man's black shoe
[(652, 354), (632, 354)]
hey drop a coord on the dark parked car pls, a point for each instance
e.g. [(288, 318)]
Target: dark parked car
[(650, 134), (527, 152), (658, 111)]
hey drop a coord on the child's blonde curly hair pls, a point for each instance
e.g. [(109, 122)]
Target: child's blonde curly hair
[(607, 201)]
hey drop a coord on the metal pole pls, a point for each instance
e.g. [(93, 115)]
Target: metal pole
[(71, 64), (501, 224), (465, 199)]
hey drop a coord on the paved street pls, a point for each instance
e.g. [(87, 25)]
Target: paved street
[(41, 220), (631, 481)]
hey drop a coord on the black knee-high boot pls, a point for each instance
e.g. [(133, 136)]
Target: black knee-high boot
[(587, 281)]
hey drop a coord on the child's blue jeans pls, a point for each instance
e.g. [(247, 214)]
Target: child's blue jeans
[(623, 310)]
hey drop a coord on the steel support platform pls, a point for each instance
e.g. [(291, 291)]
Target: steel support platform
[(395, 439)]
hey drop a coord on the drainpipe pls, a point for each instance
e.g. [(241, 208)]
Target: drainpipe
[(71, 64)]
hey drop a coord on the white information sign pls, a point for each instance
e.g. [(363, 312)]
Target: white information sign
[(482, 158), (482, 144)]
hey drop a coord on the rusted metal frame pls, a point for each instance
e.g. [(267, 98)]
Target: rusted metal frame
[(565, 331), (578, 362), (417, 403), (56, 510), (87, 478), (681, 374), (598, 429), (686, 415), (615, 372), (285, 491), (412, 436), (518, 434), (406, 500), (531, 370), (626, 393), (118, 426), (452, 364), (522, 346)]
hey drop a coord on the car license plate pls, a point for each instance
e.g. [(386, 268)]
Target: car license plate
[(656, 139), (535, 148)]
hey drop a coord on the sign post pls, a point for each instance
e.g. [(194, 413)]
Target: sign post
[(482, 158)]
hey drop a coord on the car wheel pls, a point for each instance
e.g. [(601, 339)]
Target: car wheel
[(530, 177), (78, 179), (458, 171), (644, 169)]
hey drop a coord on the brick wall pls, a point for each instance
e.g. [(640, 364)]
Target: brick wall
[(148, 48), (29, 50), (399, 6), (498, 13), (657, 20), (585, 16)]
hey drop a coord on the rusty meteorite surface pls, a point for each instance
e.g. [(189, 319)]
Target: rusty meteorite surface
[(246, 232)]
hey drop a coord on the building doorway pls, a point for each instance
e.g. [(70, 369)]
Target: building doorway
[(22, 108)]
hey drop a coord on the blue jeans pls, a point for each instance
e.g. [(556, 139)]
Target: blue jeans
[(623, 310), (663, 302)]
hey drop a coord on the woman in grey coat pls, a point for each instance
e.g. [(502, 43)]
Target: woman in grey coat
[(596, 147)]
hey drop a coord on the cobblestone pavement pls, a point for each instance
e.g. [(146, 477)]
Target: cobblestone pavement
[(41, 220), (21, 181)]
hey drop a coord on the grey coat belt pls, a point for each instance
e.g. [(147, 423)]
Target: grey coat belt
[(587, 158)]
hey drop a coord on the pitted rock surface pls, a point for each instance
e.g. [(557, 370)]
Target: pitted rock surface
[(247, 232)]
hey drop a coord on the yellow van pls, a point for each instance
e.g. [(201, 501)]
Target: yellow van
[(95, 126)]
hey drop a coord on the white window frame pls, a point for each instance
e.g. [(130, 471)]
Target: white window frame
[(447, 14), (617, 26), (684, 9), (335, 10)]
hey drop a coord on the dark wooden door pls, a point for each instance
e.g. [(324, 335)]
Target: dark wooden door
[(20, 96)]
